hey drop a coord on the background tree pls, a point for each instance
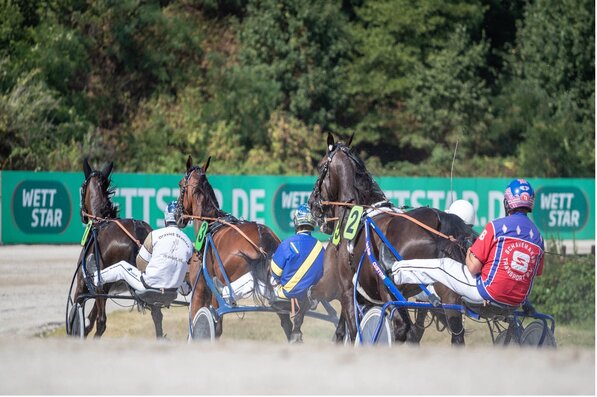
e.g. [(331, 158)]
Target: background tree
[(255, 83), (548, 100)]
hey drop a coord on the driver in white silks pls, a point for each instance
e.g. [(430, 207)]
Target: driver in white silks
[(162, 261)]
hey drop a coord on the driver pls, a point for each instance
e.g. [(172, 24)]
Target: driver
[(500, 266), (162, 261), (297, 264)]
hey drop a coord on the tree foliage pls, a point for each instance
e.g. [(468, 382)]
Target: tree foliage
[(256, 83)]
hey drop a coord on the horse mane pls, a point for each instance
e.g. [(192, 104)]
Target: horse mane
[(452, 225), (367, 189), (108, 210)]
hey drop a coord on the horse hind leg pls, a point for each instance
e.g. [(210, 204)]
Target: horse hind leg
[(286, 324), (402, 325), (417, 329), (100, 325), (157, 317), (456, 328), (91, 317)]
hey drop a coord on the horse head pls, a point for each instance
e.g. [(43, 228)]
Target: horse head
[(197, 196), (96, 193), (342, 177)]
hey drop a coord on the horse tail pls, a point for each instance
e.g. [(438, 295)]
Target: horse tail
[(260, 265)]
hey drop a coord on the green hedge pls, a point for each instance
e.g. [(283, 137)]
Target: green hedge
[(566, 289)]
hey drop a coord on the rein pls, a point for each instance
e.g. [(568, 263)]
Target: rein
[(99, 219), (209, 219), (402, 215)]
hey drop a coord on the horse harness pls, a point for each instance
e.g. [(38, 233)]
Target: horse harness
[(96, 220)]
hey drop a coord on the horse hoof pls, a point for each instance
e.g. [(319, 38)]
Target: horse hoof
[(296, 337)]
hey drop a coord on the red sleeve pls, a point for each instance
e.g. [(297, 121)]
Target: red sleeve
[(540, 270), (482, 246)]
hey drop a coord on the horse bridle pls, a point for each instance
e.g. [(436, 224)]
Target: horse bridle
[(323, 174), (183, 191), (84, 211)]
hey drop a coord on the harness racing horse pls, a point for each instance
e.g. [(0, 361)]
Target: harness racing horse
[(343, 181), (113, 243), (242, 247)]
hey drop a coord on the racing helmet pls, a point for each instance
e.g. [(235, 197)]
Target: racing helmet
[(519, 194), (302, 217), (465, 211), (169, 211)]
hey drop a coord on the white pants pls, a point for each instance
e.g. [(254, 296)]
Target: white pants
[(243, 287), (121, 271), (449, 272)]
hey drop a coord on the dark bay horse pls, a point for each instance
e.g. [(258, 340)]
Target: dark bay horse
[(242, 246), (114, 244), (343, 178)]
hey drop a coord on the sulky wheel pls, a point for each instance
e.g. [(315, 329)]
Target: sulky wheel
[(534, 331), (369, 326), (203, 326), (75, 325)]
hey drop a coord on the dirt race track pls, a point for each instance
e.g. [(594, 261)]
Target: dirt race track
[(34, 282)]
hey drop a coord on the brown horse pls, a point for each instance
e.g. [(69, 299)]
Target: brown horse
[(242, 246), (343, 178), (113, 244)]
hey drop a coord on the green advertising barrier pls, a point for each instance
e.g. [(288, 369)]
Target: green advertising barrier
[(43, 207)]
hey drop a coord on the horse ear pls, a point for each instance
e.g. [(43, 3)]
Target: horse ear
[(330, 142), (206, 164), (86, 168), (189, 162), (107, 169), (350, 140)]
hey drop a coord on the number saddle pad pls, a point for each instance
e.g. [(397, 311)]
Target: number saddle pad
[(376, 209)]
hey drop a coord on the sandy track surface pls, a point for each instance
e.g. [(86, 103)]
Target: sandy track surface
[(34, 282)]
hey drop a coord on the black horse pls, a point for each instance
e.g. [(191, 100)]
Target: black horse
[(113, 243), (344, 179)]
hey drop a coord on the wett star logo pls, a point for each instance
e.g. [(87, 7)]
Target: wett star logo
[(41, 207), (287, 198), (561, 208)]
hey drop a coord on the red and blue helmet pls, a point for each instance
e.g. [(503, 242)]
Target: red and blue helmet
[(519, 194)]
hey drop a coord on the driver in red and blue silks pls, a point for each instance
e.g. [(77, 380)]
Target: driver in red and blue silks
[(500, 266), (509, 251), (297, 264)]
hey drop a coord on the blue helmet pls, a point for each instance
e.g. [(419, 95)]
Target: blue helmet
[(169, 211), (303, 217), (519, 194)]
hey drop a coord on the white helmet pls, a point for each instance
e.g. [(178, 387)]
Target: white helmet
[(464, 210), (169, 218)]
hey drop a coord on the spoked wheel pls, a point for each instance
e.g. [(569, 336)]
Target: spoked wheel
[(75, 326), (203, 326), (533, 333), (346, 341), (502, 339), (371, 325), (509, 335)]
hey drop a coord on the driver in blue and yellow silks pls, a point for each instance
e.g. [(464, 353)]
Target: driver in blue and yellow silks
[(297, 264)]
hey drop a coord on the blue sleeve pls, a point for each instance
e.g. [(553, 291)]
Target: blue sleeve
[(279, 260)]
